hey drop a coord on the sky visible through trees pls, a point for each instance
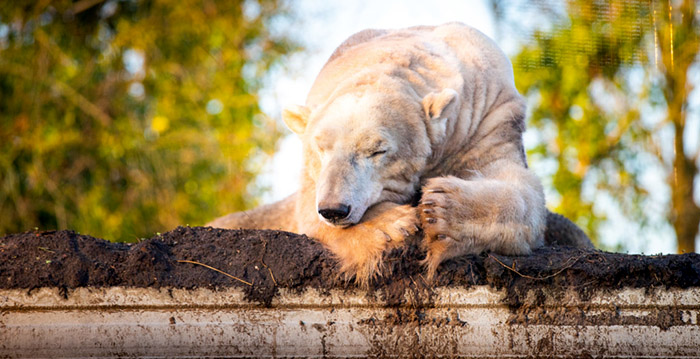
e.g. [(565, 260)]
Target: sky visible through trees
[(610, 85)]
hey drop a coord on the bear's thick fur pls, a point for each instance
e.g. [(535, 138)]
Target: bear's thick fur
[(428, 115)]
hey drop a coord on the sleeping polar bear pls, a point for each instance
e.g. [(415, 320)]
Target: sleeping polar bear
[(424, 115)]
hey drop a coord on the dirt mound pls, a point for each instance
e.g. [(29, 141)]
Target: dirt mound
[(263, 261), (68, 260)]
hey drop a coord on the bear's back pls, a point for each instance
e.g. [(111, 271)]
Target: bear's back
[(464, 46)]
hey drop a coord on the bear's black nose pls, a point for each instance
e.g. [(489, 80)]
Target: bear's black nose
[(334, 211)]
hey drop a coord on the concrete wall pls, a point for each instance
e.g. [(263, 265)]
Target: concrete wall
[(117, 322)]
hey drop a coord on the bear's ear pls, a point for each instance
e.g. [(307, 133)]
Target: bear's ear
[(295, 117), (435, 103)]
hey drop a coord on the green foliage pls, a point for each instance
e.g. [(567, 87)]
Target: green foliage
[(130, 117), (590, 138), (591, 72)]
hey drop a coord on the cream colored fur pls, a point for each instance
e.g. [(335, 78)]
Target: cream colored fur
[(398, 112)]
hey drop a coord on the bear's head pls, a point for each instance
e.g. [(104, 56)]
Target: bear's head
[(366, 147)]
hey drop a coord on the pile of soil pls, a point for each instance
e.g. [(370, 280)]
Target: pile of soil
[(263, 261)]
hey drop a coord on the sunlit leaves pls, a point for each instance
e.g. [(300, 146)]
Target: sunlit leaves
[(601, 87), (130, 117)]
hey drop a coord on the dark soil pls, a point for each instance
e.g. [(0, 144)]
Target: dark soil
[(269, 260)]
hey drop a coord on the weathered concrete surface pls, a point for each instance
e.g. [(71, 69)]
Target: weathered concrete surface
[(148, 322)]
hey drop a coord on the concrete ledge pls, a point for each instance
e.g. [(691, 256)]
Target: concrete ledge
[(475, 322), (63, 295)]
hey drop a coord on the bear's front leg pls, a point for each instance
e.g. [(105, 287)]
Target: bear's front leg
[(359, 248), (502, 212)]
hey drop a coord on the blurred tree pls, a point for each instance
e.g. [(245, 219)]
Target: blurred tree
[(596, 73), (120, 118)]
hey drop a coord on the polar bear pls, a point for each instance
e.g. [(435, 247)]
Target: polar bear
[(408, 130)]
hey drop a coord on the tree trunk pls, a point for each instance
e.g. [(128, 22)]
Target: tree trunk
[(679, 47), (685, 213)]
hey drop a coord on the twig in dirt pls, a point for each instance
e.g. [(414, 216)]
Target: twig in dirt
[(566, 266), (271, 275), (214, 269), (262, 255), (425, 282), (46, 249)]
